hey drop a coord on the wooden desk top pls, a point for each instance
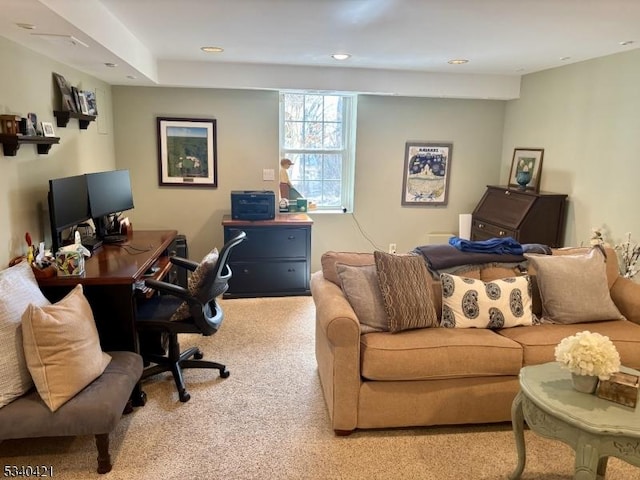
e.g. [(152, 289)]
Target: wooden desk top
[(291, 219), (120, 263)]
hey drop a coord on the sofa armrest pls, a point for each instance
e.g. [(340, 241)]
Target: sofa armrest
[(626, 295), (337, 352)]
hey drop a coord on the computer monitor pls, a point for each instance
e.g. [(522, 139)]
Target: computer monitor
[(109, 194), (68, 205)]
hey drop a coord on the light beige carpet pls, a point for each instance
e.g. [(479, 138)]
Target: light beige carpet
[(268, 421)]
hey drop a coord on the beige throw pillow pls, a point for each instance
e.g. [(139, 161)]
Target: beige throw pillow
[(404, 284), (18, 288), (62, 348), (573, 288), (471, 303), (360, 286)]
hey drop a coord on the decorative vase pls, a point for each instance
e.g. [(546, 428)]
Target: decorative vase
[(584, 383), (523, 178)]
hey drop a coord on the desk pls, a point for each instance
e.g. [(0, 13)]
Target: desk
[(109, 284)]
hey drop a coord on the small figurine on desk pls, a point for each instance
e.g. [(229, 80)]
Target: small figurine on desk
[(285, 183)]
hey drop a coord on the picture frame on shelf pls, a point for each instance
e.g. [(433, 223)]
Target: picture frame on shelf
[(427, 167), (91, 102), (32, 124), (83, 106), (47, 129), (187, 152), (67, 101), (526, 160)]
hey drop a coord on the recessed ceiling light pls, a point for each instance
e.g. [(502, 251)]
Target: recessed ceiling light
[(110, 65), (564, 59), (26, 26), (340, 56), (626, 42), (458, 61), (131, 77), (212, 49)]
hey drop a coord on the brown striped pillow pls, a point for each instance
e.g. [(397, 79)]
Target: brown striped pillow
[(404, 284)]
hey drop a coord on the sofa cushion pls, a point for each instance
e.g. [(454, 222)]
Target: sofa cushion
[(330, 259), (18, 288), (405, 287), (469, 303), (438, 353), (360, 286), (62, 348), (573, 288), (539, 342)]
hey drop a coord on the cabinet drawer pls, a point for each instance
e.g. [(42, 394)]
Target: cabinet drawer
[(488, 230), (270, 243), (268, 277)]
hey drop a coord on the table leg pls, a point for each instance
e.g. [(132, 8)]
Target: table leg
[(517, 421), (587, 460)]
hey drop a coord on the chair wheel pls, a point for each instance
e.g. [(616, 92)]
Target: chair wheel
[(198, 355), (224, 373), (184, 397)]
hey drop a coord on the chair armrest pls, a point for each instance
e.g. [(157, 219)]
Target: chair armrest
[(184, 263), (626, 295), (168, 288)]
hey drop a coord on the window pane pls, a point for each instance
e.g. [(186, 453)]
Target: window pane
[(331, 193), (294, 107), (332, 108), (313, 135), (332, 135), (293, 135), (313, 107), (332, 167)]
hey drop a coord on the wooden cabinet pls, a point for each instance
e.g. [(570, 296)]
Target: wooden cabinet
[(526, 216), (274, 260)]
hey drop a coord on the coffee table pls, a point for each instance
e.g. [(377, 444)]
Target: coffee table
[(595, 428)]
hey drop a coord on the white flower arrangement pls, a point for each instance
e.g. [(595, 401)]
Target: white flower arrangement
[(587, 353), (629, 254)]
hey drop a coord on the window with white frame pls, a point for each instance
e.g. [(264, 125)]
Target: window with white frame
[(317, 133)]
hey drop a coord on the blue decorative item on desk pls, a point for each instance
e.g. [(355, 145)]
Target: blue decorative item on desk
[(523, 177)]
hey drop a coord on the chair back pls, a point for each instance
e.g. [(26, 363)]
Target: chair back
[(214, 284)]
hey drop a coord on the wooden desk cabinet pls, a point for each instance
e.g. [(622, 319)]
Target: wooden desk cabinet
[(109, 283), (526, 216), (274, 260)]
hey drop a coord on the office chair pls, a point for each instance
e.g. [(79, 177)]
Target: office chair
[(175, 309)]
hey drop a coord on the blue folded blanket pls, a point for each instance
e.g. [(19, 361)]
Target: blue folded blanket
[(504, 245)]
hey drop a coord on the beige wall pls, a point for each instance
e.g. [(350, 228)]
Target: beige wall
[(247, 124), (586, 117), (26, 85)]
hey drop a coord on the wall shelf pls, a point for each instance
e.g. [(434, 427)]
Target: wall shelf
[(63, 116), (11, 143)]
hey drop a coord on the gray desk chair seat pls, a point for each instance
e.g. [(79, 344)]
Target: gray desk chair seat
[(154, 316)]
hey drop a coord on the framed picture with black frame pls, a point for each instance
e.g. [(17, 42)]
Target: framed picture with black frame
[(427, 167), (187, 152)]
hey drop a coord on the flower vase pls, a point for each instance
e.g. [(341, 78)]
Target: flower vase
[(584, 383), (523, 178)]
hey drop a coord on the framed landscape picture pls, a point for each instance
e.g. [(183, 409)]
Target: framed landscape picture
[(187, 152), (426, 173), (526, 160)]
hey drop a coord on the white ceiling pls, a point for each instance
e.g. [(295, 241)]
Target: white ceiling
[(397, 46)]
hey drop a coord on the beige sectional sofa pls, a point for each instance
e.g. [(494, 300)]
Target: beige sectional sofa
[(444, 376)]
